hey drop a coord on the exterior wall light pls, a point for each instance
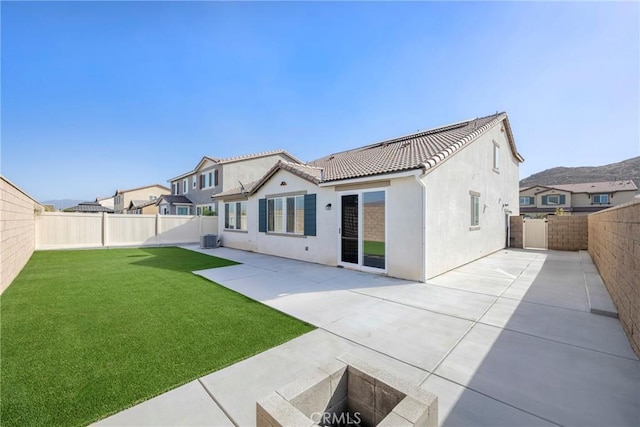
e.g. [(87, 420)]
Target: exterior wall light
[(328, 206)]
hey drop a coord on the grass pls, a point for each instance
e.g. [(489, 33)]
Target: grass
[(85, 334)]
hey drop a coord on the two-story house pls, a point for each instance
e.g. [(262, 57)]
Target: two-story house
[(575, 199), (191, 192), (122, 198)]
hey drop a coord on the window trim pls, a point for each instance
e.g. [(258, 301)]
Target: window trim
[(237, 208), (474, 205), (555, 196), (496, 157), (185, 186), (298, 198), (600, 196), (531, 201)]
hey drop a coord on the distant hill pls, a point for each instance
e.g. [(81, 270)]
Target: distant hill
[(627, 169), (62, 203)]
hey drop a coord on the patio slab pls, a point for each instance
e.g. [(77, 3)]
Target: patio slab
[(565, 384), (508, 349), (188, 405)]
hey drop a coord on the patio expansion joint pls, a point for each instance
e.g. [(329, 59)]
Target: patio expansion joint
[(215, 402), (497, 400)]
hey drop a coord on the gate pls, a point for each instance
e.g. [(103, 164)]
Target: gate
[(534, 234)]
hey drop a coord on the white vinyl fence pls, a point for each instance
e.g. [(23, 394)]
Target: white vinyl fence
[(68, 230)]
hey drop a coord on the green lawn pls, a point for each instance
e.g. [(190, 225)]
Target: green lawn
[(85, 334)]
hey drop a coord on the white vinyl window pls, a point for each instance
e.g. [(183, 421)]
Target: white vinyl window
[(235, 216), (475, 210), (185, 186), (553, 199), (527, 200), (496, 157), (183, 210), (285, 215)]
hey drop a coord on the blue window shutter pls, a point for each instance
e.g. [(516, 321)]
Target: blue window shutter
[(310, 215), (262, 215), (562, 199), (544, 200)]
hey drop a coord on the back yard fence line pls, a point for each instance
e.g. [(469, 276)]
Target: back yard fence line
[(67, 230)]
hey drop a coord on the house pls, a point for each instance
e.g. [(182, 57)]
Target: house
[(122, 198), (89, 207), (191, 192), (410, 207), (107, 202), (575, 199), (140, 207)]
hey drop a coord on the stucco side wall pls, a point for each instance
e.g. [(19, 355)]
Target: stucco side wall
[(450, 240), (617, 198), (405, 229)]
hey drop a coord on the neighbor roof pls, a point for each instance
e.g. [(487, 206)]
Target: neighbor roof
[(139, 204), (597, 187), (236, 159), (90, 207), (141, 188), (173, 199), (421, 150)]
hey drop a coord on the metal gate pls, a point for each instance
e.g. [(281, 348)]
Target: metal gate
[(534, 233)]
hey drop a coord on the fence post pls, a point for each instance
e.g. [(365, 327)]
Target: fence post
[(105, 229), (158, 229)]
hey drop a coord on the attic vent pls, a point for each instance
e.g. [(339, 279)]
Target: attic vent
[(331, 157), (406, 144)]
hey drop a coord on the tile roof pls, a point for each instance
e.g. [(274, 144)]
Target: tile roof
[(173, 199), (90, 207), (596, 187), (138, 204), (419, 150), (237, 191)]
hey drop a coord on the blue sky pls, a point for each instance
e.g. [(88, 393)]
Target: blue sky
[(104, 95)]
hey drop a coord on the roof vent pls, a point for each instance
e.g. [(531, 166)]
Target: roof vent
[(406, 144)]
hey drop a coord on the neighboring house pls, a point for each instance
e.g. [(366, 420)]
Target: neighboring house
[(140, 207), (575, 199), (107, 202), (411, 207), (122, 198), (89, 207), (212, 176)]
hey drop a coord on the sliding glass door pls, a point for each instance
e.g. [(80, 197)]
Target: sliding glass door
[(363, 229)]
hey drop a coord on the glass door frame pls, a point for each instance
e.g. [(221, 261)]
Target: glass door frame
[(360, 265)]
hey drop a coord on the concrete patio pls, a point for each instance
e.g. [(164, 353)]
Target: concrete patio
[(506, 340)]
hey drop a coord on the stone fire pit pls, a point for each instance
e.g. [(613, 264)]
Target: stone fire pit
[(348, 392)]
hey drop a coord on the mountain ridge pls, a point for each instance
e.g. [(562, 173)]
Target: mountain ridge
[(626, 169)]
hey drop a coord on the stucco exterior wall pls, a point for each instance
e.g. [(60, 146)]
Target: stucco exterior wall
[(616, 198), (18, 212), (614, 245), (450, 240), (141, 194), (247, 171)]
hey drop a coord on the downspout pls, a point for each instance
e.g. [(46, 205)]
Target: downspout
[(418, 177)]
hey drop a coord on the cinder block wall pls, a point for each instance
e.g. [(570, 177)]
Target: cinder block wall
[(17, 230), (515, 234), (614, 245), (567, 233)]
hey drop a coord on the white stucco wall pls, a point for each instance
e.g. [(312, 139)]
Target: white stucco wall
[(319, 249), (450, 241), (247, 170)]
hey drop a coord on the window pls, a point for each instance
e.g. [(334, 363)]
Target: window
[(215, 178), (183, 210), (175, 187), (165, 210), (600, 199), (185, 186), (527, 200), (235, 216), (285, 215), (475, 210), (203, 179), (198, 211), (496, 157), (553, 199), (210, 179)]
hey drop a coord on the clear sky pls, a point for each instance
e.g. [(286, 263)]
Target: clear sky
[(104, 95)]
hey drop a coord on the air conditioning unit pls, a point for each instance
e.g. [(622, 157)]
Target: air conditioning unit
[(209, 241)]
